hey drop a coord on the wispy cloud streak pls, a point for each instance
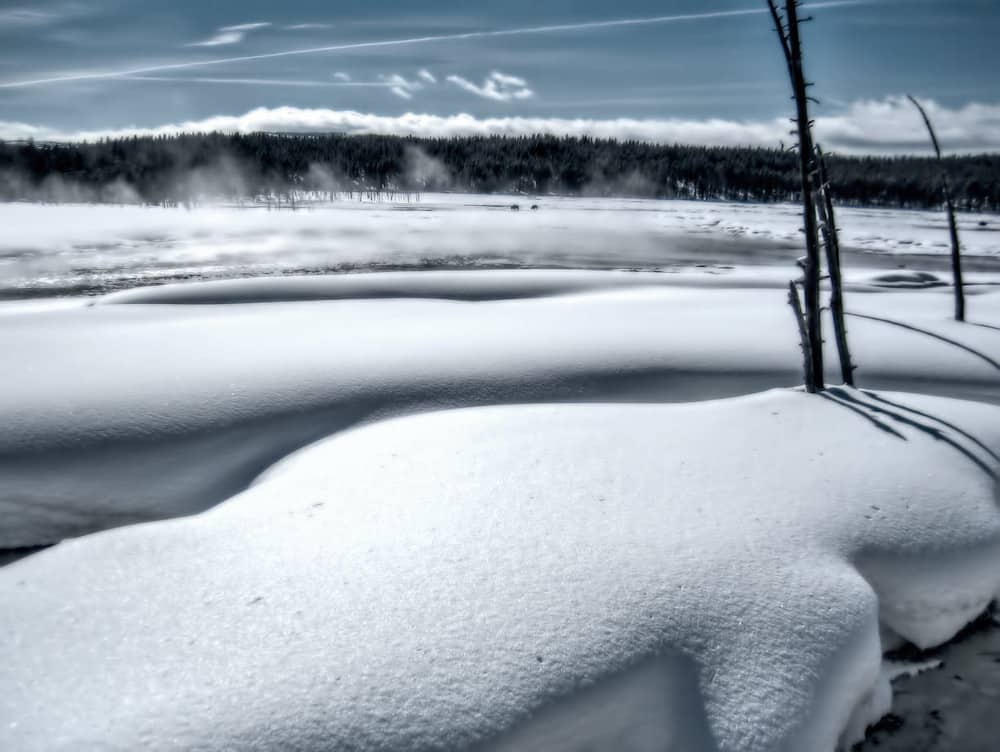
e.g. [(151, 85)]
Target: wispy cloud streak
[(25, 17), (260, 81), (401, 86), (51, 14), (231, 34), (523, 31), (498, 86)]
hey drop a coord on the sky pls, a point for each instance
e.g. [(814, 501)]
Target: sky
[(691, 71)]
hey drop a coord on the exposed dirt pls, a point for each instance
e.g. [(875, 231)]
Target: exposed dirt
[(951, 709)]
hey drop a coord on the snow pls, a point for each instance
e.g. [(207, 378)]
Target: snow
[(511, 509), (105, 405), (894, 670), (437, 580), (67, 249), (474, 285)]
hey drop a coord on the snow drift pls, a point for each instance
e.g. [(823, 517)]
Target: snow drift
[(116, 414), (695, 577)]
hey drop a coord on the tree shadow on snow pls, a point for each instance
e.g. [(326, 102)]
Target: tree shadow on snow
[(984, 326), (954, 343), (876, 409)]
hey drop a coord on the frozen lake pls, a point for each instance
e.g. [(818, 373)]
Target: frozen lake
[(58, 250)]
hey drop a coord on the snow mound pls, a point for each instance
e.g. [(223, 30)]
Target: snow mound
[(472, 285), (908, 280), (115, 414), (708, 576), (466, 285)]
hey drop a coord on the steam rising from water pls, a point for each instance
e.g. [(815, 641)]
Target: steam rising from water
[(73, 249)]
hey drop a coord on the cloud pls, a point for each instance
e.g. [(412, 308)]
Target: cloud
[(522, 31), (230, 34), (247, 26), (220, 39), (308, 26), (401, 86), (25, 17), (53, 14), (340, 76), (427, 76), (888, 126), (497, 86)]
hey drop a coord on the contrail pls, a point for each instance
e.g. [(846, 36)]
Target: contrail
[(552, 29), (259, 81)]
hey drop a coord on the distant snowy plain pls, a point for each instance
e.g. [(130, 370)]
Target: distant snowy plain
[(489, 509)]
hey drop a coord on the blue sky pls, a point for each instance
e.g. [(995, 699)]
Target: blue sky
[(69, 68)]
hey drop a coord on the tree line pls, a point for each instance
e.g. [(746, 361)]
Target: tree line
[(181, 168)]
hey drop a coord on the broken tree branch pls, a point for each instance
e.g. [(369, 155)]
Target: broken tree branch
[(956, 249)]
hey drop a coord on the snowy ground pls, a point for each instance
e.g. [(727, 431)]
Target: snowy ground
[(530, 509), (104, 403), (533, 577), (60, 250)]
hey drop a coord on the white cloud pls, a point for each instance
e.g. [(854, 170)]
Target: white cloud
[(308, 26), (497, 86), (247, 26), (341, 76), (888, 126), (230, 34), (401, 86), (52, 14), (893, 125), (220, 39), (25, 17), (427, 76)]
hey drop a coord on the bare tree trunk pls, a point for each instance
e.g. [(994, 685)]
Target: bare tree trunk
[(956, 249), (831, 240), (792, 46), (795, 303)]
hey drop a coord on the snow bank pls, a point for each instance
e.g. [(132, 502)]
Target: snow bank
[(465, 285), (116, 414), (499, 284), (524, 577)]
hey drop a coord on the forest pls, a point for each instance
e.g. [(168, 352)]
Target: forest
[(192, 167)]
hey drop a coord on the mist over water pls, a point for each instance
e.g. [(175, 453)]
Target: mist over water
[(89, 249)]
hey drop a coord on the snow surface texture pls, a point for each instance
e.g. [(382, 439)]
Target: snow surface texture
[(693, 577), (116, 414), (73, 249)]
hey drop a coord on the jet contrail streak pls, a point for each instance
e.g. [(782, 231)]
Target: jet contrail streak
[(552, 29), (260, 81)]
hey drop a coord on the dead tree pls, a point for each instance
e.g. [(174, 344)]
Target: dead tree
[(831, 242), (788, 28), (796, 304), (956, 250)]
